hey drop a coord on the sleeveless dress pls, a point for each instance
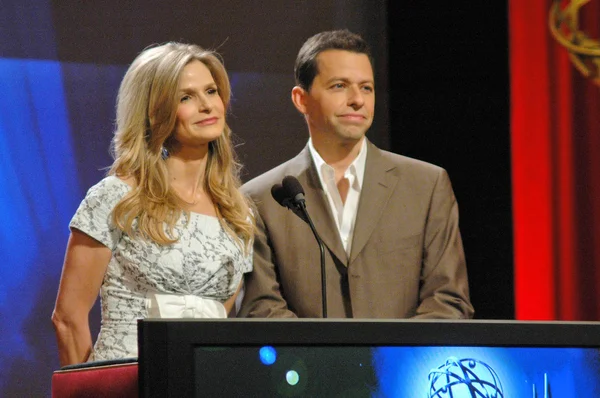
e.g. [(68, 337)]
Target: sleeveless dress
[(189, 278)]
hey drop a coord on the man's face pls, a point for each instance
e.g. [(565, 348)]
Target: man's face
[(340, 104)]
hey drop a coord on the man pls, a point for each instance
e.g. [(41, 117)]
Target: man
[(389, 223)]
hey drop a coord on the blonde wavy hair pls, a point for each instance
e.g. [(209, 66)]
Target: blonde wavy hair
[(146, 117)]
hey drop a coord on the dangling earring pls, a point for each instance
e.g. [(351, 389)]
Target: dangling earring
[(164, 153)]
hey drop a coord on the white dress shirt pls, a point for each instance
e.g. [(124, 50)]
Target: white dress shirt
[(343, 213)]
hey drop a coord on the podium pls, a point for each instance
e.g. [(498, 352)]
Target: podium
[(379, 358)]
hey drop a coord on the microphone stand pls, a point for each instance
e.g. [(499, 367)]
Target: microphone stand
[(290, 194), (302, 206)]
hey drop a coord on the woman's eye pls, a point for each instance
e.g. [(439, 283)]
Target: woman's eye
[(212, 91), (185, 98)]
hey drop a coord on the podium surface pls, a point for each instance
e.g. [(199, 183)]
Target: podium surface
[(370, 358)]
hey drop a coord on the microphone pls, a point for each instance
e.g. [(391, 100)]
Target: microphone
[(290, 194), (281, 196), (294, 190)]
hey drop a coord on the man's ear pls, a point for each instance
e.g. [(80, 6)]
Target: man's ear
[(299, 99)]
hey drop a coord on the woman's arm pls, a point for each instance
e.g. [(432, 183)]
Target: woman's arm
[(86, 261)]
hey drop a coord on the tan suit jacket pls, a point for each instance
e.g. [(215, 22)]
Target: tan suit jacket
[(406, 257)]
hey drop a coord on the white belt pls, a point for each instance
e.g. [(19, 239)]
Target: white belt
[(183, 306)]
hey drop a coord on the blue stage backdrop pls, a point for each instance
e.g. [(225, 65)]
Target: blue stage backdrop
[(61, 63)]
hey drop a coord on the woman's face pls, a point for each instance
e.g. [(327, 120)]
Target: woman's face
[(200, 112)]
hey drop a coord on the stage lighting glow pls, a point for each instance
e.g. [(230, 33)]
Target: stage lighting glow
[(292, 377), (267, 355)]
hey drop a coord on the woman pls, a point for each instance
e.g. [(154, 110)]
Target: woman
[(167, 233)]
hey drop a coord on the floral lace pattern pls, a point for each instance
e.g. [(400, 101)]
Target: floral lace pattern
[(205, 261)]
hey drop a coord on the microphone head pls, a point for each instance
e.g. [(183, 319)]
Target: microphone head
[(293, 189), (280, 195), (291, 195)]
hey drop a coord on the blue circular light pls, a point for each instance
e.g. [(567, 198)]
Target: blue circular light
[(268, 355)]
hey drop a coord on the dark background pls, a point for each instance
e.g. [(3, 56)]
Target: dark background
[(449, 105)]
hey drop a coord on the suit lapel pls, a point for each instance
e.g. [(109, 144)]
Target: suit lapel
[(318, 208), (377, 188)]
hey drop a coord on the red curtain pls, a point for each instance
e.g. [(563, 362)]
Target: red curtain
[(555, 145)]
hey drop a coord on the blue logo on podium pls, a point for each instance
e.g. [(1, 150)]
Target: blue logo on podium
[(464, 378)]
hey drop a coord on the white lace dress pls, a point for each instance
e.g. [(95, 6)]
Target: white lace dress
[(198, 272)]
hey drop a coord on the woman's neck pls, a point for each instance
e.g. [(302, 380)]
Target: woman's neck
[(187, 173)]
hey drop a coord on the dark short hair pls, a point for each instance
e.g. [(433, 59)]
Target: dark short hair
[(306, 67)]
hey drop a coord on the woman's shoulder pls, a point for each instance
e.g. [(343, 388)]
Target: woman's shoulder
[(108, 189), (112, 184), (93, 215)]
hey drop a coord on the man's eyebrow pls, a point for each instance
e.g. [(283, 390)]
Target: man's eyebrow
[(346, 80)]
